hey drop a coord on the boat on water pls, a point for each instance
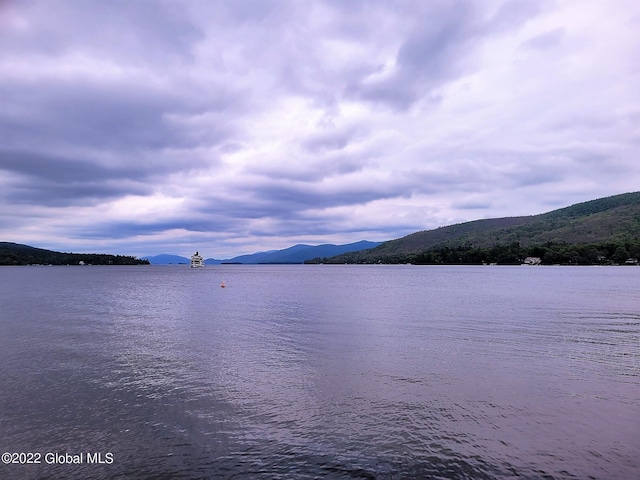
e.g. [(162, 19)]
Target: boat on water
[(197, 261)]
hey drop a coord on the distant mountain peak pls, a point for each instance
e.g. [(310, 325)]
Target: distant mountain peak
[(298, 253)]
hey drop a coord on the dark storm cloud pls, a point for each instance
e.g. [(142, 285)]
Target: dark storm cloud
[(48, 180), (39, 178), (56, 195), (125, 229), (117, 116), (107, 75), (55, 169)]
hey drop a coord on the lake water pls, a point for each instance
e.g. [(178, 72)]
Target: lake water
[(341, 372)]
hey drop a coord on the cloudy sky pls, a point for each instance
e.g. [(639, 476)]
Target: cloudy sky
[(231, 127)]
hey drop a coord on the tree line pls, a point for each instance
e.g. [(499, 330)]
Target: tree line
[(9, 257)]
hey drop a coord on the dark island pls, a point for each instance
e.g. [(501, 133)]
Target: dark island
[(17, 254)]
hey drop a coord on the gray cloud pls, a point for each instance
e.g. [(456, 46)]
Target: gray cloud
[(155, 125), (120, 116), (513, 14), (442, 40), (141, 32), (327, 142), (545, 40), (435, 50), (49, 180)]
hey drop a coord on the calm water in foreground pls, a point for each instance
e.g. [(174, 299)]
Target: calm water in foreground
[(345, 372)]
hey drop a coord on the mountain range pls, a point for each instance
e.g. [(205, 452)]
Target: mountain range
[(295, 254), (598, 232), (602, 231)]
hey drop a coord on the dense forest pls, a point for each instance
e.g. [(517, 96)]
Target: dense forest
[(599, 232), (17, 254)]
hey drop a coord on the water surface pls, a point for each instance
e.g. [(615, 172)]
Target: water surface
[(373, 372)]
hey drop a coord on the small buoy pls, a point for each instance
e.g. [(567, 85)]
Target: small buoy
[(222, 285)]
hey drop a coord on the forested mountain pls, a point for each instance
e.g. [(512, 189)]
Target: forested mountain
[(602, 231), (17, 254)]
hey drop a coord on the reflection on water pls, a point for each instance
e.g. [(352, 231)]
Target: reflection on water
[(322, 371)]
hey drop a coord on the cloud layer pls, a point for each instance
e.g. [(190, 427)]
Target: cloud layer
[(232, 127)]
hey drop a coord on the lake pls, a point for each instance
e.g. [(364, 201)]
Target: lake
[(319, 371)]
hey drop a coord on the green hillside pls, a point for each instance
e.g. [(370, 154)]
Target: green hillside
[(603, 231), (17, 254)]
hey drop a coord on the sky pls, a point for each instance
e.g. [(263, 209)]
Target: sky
[(231, 127)]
